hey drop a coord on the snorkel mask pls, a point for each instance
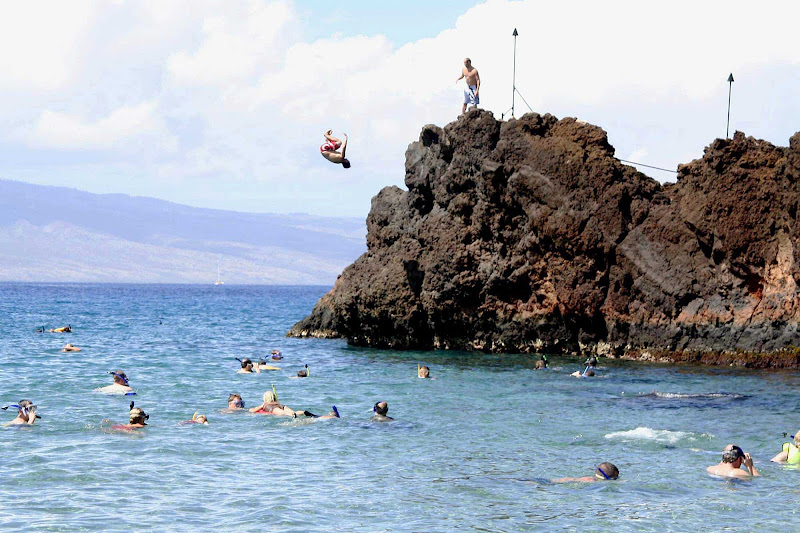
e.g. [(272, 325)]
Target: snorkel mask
[(120, 376), (23, 407)]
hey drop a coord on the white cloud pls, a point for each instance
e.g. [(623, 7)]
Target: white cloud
[(118, 130), (191, 91), (39, 42)]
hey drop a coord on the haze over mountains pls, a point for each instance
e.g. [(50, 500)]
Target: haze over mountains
[(60, 234)]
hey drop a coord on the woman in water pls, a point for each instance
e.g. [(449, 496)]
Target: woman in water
[(196, 419), (70, 348), (790, 452), (26, 413), (120, 385), (271, 406), (137, 419)]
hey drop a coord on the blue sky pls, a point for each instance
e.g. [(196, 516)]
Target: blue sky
[(222, 103)]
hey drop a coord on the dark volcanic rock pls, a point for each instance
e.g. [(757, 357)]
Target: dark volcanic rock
[(529, 235)]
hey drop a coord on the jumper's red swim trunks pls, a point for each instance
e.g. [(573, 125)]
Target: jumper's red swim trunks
[(329, 147)]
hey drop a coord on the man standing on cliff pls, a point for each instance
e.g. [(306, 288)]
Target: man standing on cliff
[(471, 96)]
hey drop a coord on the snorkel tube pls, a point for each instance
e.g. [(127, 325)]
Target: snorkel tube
[(274, 392), (21, 409)]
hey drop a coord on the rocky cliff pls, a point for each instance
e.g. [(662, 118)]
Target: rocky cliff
[(528, 235)]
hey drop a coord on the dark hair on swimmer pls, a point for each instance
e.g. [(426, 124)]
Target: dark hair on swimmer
[(246, 362), (346, 163), (381, 410), (611, 471)]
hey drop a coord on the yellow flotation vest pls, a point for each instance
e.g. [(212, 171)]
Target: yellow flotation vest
[(794, 453)]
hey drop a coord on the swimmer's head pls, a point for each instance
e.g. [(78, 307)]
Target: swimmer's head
[(247, 363), (302, 374), (201, 419), (732, 453), (262, 362), (424, 372), (381, 408), (137, 416), (797, 438), (235, 401), (119, 377), (346, 163), (606, 471), (269, 397), (540, 364)]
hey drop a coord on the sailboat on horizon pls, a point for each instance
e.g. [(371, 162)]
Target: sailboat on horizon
[(219, 279)]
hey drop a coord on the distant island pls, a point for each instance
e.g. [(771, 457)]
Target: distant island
[(530, 236), (55, 234)]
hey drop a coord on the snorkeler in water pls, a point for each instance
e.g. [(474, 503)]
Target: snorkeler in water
[(235, 402), (603, 472), (271, 406), (380, 411), (423, 372), (541, 364), (790, 451), (26, 413), (733, 458), (196, 419), (247, 367), (69, 347), (137, 419), (276, 355), (303, 373), (120, 385)]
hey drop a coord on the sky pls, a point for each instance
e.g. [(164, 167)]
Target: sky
[(222, 103)]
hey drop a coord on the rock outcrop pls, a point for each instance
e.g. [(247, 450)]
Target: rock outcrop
[(528, 235)]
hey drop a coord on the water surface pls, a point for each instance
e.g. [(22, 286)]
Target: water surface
[(470, 450)]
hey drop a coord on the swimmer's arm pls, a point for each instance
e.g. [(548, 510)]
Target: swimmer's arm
[(748, 463), (585, 479), (257, 369), (780, 458), (254, 409)]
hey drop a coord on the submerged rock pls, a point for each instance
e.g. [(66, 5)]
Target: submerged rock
[(528, 235)]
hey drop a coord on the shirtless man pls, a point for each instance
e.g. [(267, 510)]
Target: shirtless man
[(732, 459), (381, 409), (26, 413), (120, 385), (328, 150), (471, 93)]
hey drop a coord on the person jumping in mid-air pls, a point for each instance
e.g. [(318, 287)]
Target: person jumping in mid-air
[(471, 93), (328, 150)]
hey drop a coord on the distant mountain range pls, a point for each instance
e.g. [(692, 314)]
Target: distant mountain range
[(60, 234)]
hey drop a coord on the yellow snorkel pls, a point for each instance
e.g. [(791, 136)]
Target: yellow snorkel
[(274, 392), (194, 416), (419, 370)]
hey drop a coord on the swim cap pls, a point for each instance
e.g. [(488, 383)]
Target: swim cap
[(731, 455)]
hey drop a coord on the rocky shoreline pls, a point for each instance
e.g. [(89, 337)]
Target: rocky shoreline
[(529, 236)]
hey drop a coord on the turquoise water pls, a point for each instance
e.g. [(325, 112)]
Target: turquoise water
[(470, 450)]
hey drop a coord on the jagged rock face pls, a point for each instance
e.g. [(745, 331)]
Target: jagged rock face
[(529, 235)]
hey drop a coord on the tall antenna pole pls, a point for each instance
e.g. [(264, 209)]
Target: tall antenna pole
[(514, 82), (730, 87)]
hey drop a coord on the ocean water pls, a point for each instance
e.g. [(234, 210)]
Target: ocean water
[(471, 450)]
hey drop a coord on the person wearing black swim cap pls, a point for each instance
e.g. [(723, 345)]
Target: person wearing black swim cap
[(733, 458)]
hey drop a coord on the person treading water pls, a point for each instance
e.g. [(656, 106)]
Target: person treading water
[(26, 413), (330, 147)]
